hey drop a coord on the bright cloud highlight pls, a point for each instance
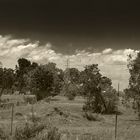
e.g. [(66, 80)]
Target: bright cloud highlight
[(113, 63)]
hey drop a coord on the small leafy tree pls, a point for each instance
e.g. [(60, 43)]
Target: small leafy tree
[(133, 91), (97, 90), (71, 83), (7, 78), (22, 69), (72, 91), (57, 77), (41, 82)]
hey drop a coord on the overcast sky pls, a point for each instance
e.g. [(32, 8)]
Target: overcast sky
[(88, 31)]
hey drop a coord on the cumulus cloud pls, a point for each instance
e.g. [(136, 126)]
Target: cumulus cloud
[(107, 51), (111, 62)]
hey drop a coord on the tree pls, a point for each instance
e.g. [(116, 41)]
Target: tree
[(33, 65), (72, 75), (24, 66), (72, 91), (133, 91), (89, 79), (71, 83), (97, 90), (57, 77), (27, 72), (7, 78), (41, 82)]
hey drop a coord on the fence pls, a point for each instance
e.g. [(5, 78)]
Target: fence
[(64, 136)]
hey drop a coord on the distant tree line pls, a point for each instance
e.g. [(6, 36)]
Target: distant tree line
[(48, 80)]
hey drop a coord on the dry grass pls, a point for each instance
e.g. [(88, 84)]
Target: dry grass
[(72, 121)]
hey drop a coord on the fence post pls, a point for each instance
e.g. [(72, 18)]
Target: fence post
[(12, 118), (32, 111), (116, 121)]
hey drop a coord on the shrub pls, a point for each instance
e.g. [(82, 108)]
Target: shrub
[(71, 91), (71, 96), (3, 135), (92, 116), (34, 117), (28, 131), (30, 99), (106, 105), (111, 101), (53, 134), (36, 132)]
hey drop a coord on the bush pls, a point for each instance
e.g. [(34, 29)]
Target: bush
[(107, 105), (92, 116), (36, 132), (71, 91), (30, 99), (53, 134), (28, 131), (93, 106), (34, 117), (111, 101), (71, 96), (3, 135)]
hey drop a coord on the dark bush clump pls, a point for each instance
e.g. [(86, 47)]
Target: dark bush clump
[(28, 131), (3, 135)]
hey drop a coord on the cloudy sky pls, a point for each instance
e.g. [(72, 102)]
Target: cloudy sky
[(85, 31)]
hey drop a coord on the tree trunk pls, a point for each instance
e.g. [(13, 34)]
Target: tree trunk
[(1, 92), (12, 91), (102, 99), (7, 91)]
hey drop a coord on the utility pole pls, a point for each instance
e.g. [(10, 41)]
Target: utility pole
[(66, 76), (116, 116), (118, 89), (12, 118), (68, 63), (67, 70)]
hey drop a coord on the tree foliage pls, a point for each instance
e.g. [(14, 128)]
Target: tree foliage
[(98, 91), (71, 83), (133, 91), (46, 80), (41, 82), (7, 78), (134, 70), (23, 72), (22, 69), (57, 77)]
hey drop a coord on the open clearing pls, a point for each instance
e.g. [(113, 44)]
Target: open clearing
[(72, 120)]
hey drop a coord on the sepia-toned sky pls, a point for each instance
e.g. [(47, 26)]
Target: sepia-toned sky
[(88, 31)]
